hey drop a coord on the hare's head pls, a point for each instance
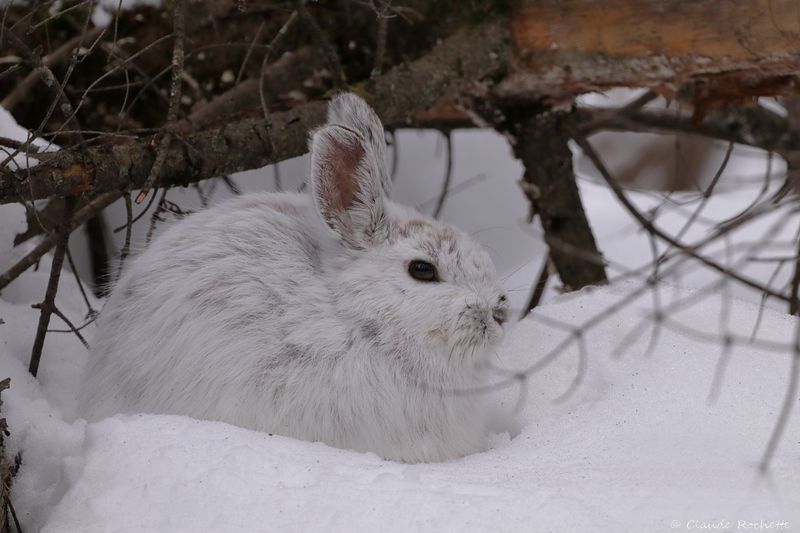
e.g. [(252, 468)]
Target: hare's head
[(404, 279)]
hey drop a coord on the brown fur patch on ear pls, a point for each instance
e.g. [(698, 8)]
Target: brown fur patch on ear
[(345, 158), (345, 185)]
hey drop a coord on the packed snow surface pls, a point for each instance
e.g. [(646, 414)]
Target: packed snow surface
[(635, 446)]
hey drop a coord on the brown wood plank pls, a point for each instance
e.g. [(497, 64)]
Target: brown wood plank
[(570, 46)]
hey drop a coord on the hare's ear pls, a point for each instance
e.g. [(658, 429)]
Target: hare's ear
[(346, 186), (350, 111)]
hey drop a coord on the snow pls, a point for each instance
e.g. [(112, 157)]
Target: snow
[(11, 130), (600, 440), (633, 448), (104, 10)]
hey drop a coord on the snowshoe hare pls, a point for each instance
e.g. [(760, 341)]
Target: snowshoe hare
[(337, 316)]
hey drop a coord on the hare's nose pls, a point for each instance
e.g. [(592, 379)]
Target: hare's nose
[(499, 315), (500, 310)]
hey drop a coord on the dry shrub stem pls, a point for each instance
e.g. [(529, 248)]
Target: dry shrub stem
[(47, 243), (179, 30), (48, 304)]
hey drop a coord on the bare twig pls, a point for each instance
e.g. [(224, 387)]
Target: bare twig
[(650, 227), (398, 95), (539, 287), (179, 29), (448, 175), (25, 147), (61, 13), (91, 320), (156, 216), (794, 375), (126, 248), (231, 185), (60, 99), (603, 116), (249, 53), (727, 340), (81, 216), (395, 155), (141, 214), (89, 309), (14, 517), (10, 70), (331, 56), (70, 325), (754, 126), (24, 87), (706, 196), (383, 16), (267, 55), (48, 304), (276, 174), (580, 373), (99, 257)]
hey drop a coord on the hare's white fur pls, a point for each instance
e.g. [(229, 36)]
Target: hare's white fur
[(297, 315)]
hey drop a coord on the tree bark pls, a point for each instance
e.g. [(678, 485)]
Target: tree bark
[(549, 184), (705, 51)]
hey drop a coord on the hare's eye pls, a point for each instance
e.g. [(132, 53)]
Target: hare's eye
[(423, 271)]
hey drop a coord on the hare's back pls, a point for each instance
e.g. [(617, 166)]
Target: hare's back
[(268, 241), (218, 290)]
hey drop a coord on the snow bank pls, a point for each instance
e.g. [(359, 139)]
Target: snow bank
[(634, 448)]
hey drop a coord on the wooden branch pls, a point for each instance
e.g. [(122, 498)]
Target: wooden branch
[(549, 184), (703, 50), (465, 58), (751, 125), (179, 26), (631, 42), (48, 305)]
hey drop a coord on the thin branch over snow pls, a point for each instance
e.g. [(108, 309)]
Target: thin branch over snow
[(179, 30)]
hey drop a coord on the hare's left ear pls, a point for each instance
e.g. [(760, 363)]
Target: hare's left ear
[(350, 111), (346, 186)]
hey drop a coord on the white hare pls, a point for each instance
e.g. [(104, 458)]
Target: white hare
[(337, 316)]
